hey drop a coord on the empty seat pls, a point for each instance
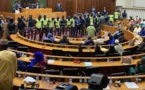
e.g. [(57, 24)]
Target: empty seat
[(23, 48), (12, 44), (53, 72), (35, 69), (57, 52), (47, 41)]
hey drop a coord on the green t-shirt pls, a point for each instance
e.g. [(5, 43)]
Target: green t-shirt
[(45, 22), (51, 23), (39, 23), (57, 23), (116, 15), (72, 22), (68, 22)]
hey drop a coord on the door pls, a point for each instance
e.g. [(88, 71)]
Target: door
[(69, 7)]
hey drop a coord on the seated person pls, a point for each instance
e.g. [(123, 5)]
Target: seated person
[(140, 67), (131, 28), (137, 29), (142, 32), (99, 40), (118, 47), (89, 41), (37, 61), (111, 40), (17, 10), (49, 37), (109, 23), (64, 40), (121, 37), (21, 64), (117, 32), (143, 23)]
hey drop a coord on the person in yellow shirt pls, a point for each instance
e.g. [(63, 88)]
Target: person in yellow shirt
[(91, 19), (72, 30), (137, 29), (38, 25), (68, 24), (116, 15), (91, 30), (51, 25), (45, 25), (57, 26)]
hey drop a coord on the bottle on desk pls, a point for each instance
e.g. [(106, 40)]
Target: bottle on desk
[(19, 74), (137, 79), (42, 79), (70, 80), (25, 74), (37, 77), (110, 80), (80, 80), (85, 80), (47, 80)]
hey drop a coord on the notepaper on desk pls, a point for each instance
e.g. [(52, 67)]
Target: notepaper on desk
[(137, 42), (88, 63), (131, 85), (50, 61), (107, 88)]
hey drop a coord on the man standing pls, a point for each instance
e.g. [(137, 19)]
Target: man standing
[(72, 31), (45, 25), (39, 23), (62, 25), (68, 24), (31, 25), (91, 30), (51, 25), (57, 26)]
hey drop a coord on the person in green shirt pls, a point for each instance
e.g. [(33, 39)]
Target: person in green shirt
[(68, 24), (38, 25), (140, 67), (51, 25), (72, 30), (45, 25), (116, 15), (91, 19), (111, 18), (91, 30), (57, 26)]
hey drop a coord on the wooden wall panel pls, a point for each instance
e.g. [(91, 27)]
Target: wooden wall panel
[(76, 6), (5, 5)]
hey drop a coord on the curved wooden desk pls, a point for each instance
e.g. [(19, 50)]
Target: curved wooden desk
[(81, 40), (43, 85), (71, 48), (96, 61)]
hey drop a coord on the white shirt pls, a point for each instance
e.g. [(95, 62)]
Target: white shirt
[(137, 30), (99, 41), (118, 48), (17, 11)]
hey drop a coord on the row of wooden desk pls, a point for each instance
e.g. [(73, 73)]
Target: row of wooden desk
[(96, 61), (34, 12), (44, 86), (74, 48)]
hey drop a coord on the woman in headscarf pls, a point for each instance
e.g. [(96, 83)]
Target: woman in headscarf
[(49, 37), (37, 61), (8, 67)]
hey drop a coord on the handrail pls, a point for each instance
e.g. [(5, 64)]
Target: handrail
[(76, 46), (81, 58), (78, 77)]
